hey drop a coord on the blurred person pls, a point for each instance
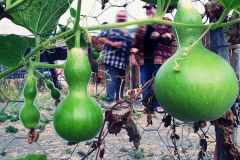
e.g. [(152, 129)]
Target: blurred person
[(116, 48), (152, 46)]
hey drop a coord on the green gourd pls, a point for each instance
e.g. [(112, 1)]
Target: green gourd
[(78, 117), (194, 84), (230, 4), (29, 114), (55, 93)]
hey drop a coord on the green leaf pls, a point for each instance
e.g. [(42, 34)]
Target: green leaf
[(14, 118), (230, 4), (13, 48), (3, 117), (73, 12), (40, 16), (36, 157), (11, 129), (32, 157)]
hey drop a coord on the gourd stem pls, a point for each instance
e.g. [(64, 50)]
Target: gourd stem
[(78, 39), (37, 41), (200, 38), (30, 67), (160, 7), (39, 75), (77, 19)]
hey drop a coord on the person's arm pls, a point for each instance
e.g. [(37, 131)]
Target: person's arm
[(163, 34), (106, 41), (103, 38), (137, 46), (138, 39)]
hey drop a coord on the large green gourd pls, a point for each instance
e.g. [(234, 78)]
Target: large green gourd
[(29, 114), (195, 84), (78, 117), (230, 4)]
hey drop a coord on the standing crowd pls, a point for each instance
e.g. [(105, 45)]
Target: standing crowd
[(146, 51)]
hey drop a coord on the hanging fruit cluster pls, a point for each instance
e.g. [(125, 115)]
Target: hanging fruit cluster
[(195, 84), (78, 117)]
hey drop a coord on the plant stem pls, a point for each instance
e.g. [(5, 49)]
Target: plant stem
[(160, 7), (158, 20), (37, 41), (220, 25), (39, 75), (223, 15), (47, 65), (14, 5), (200, 38), (167, 5), (78, 38), (77, 19), (49, 41), (236, 11), (145, 21)]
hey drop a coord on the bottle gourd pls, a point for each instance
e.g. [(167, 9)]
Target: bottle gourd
[(29, 114), (78, 117), (55, 93), (195, 83)]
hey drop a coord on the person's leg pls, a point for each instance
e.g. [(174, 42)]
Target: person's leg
[(110, 84), (146, 71), (154, 102), (119, 83)]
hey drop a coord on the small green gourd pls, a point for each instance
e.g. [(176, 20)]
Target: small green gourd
[(29, 114), (194, 84), (55, 93), (78, 117)]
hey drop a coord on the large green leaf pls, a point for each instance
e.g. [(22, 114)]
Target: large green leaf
[(13, 48), (39, 16), (231, 4)]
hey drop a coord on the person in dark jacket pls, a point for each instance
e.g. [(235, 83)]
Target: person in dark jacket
[(152, 46)]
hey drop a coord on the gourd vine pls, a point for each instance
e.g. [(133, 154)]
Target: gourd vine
[(189, 85)]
